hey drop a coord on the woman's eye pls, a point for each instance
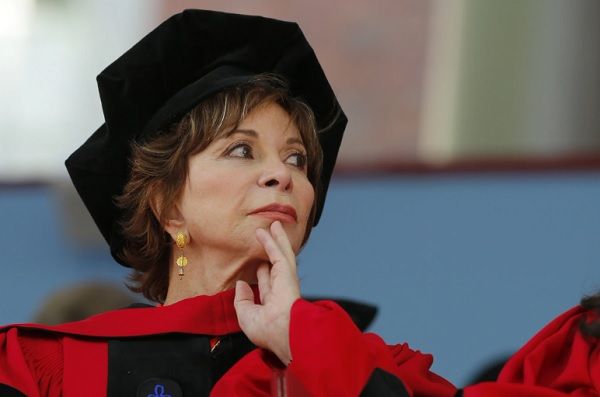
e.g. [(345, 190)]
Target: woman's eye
[(242, 150), (297, 160)]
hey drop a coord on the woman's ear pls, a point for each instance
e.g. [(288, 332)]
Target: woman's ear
[(173, 221)]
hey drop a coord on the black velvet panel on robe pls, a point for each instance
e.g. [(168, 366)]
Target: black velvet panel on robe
[(171, 364), (383, 384), (7, 391)]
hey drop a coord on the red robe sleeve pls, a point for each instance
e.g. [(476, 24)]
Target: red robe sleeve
[(559, 361), (38, 363), (14, 372), (30, 365), (330, 356)]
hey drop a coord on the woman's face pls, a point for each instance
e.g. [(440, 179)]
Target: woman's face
[(246, 180)]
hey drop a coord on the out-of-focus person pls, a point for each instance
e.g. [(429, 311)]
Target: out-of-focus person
[(80, 301)]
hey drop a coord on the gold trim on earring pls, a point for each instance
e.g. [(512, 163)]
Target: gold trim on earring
[(181, 241)]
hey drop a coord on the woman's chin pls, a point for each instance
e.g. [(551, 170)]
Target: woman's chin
[(256, 253)]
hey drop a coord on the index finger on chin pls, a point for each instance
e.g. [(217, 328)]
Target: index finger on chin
[(282, 239)]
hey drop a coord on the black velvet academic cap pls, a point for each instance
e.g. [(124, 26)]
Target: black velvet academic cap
[(184, 60)]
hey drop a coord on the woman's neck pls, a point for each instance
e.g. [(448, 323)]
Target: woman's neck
[(208, 274)]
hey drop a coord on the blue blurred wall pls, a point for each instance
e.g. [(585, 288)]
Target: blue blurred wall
[(464, 266)]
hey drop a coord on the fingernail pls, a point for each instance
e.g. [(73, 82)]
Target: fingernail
[(260, 233)]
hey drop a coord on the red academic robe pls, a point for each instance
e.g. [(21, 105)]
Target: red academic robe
[(559, 361), (330, 355)]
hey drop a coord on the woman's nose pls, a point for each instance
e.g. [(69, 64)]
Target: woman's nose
[(276, 175)]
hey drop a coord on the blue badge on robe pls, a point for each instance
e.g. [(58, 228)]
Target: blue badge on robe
[(159, 387)]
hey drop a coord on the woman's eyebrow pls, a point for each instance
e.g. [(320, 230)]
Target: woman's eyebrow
[(294, 140), (250, 133), (254, 134)]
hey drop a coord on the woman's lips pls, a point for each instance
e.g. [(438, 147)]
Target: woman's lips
[(277, 212)]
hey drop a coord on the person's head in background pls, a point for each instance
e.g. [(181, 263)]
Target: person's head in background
[(80, 301)]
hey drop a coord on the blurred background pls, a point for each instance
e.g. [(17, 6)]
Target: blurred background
[(465, 201)]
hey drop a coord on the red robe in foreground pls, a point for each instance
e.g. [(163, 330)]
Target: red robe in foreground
[(331, 357), (557, 362)]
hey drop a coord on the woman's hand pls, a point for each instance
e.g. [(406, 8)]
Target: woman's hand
[(267, 324)]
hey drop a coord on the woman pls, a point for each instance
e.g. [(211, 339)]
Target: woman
[(206, 180), (563, 359)]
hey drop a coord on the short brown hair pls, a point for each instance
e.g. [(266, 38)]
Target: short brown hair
[(159, 168)]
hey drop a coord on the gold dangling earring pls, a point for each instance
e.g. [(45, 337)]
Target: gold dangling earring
[(181, 240)]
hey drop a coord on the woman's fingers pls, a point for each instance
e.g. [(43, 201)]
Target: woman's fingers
[(249, 314), (283, 274), (277, 244), (243, 293), (272, 249), (267, 324), (263, 274), (281, 237), (243, 302)]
